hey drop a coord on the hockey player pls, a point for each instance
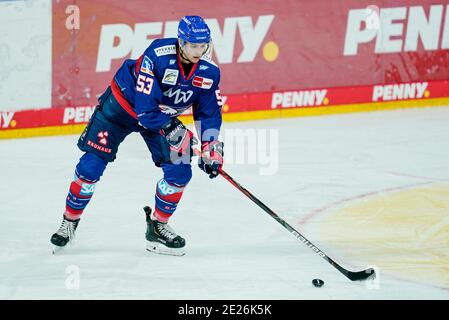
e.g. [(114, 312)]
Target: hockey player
[(146, 96)]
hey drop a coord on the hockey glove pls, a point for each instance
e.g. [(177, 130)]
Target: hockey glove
[(211, 159), (179, 140)]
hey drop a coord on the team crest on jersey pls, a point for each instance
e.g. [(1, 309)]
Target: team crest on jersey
[(165, 50), (170, 76), (147, 66), (203, 83)]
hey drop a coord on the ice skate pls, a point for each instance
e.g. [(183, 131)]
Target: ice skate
[(161, 238), (64, 235)]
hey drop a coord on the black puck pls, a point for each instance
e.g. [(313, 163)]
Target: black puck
[(318, 283)]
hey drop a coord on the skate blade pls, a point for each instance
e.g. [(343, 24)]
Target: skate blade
[(57, 249), (159, 248)]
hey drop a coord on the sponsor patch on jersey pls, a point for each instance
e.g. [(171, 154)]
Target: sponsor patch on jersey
[(172, 111), (168, 110), (165, 50), (203, 83), (203, 67), (103, 137), (170, 76), (172, 61), (179, 95), (147, 66)]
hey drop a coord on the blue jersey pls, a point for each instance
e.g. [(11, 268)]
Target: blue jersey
[(154, 88)]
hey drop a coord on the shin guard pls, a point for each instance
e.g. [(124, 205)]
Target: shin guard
[(80, 193), (167, 197)]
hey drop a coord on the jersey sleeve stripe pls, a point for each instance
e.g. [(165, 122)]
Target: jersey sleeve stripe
[(118, 95), (138, 64)]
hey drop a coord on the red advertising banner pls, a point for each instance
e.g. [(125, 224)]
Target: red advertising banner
[(273, 55), (318, 99), (266, 46)]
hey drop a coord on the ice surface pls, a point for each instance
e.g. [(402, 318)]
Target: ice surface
[(234, 249)]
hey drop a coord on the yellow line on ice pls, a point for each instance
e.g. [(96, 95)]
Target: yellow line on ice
[(404, 233)]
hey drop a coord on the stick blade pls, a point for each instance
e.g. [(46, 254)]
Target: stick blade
[(362, 275)]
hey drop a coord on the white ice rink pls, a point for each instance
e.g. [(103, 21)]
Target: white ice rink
[(322, 170)]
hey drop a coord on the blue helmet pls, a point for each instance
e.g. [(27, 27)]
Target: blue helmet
[(193, 29)]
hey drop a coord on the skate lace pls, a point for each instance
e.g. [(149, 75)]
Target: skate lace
[(166, 231), (67, 229)]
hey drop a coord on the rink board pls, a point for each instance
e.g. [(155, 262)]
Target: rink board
[(60, 121), (274, 61)]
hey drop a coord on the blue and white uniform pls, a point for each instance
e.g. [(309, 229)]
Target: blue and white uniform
[(147, 95), (156, 88), (143, 96)]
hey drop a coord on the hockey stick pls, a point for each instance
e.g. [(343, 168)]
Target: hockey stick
[(351, 275)]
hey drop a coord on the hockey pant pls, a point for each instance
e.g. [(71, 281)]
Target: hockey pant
[(108, 127)]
